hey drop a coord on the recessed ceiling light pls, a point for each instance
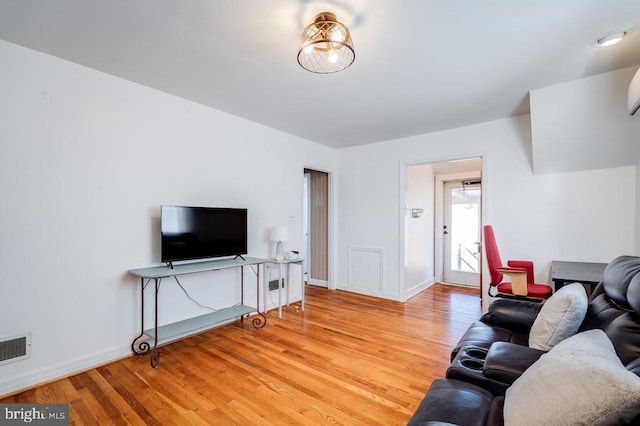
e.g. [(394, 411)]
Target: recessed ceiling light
[(609, 39)]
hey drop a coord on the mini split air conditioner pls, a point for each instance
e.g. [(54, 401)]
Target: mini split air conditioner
[(634, 95)]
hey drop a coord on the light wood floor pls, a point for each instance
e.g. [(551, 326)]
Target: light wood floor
[(346, 360)]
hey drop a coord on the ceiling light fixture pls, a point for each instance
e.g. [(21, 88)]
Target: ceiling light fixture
[(610, 39), (326, 46)]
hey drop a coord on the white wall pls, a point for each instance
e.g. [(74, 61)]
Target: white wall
[(574, 123), (586, 216), (86, 159), (418, 231)]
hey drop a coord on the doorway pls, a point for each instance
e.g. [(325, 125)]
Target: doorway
[(423, 224), (316, 227), (461, 232)]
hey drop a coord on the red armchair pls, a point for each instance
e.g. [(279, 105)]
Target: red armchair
[(519, 271)]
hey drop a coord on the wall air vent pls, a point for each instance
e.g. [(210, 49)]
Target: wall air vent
[(15, 348)]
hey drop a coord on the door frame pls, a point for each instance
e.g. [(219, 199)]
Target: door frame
[(404, 292), (331, 285), (441, 180)]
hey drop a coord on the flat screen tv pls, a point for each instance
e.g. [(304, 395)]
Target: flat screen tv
[(189, 233)]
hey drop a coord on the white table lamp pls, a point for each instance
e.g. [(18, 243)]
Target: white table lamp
[(279, 234)]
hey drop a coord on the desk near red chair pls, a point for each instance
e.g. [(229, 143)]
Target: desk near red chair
[(589, 274)]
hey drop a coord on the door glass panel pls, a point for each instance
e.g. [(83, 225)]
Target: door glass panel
[(465, 230)]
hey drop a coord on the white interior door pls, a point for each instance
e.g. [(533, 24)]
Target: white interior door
[(461, 232)]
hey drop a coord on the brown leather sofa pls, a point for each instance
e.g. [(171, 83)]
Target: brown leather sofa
[(494, 351)]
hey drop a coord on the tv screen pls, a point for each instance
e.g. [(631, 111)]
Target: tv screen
[(189, 233)]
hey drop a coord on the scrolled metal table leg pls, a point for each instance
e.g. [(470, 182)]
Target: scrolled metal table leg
[(143, 347), (259, 320), (154, 358)]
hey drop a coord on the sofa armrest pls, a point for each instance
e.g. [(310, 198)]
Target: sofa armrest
[(505, 361), (512, 314), (455, 402)]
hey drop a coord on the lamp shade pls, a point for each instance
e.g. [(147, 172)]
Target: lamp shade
[(279, 233), (326, 46)]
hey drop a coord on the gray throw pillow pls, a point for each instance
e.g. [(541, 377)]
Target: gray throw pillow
[(581, 381), (559, 318)]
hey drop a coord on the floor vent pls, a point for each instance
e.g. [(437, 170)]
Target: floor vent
[(15, 348)]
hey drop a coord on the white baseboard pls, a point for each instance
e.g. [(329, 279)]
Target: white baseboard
[(412, 291), (272, 299), (368, 292), (61, 370), (79, 365), (319, 283)]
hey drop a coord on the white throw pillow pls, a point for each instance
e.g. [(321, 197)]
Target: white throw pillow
[(581, 381), (559, 318)]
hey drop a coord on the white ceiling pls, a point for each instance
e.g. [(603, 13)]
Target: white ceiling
[(421, 65)]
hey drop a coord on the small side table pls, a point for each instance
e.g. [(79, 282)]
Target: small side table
[(283, 277), (588, 273)]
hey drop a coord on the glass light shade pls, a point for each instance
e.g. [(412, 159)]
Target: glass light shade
[(326, 46)]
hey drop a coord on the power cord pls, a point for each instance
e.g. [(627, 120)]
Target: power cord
[(194, 300)]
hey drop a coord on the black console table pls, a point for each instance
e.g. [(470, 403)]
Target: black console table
[(586, 273), (199, 323)]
